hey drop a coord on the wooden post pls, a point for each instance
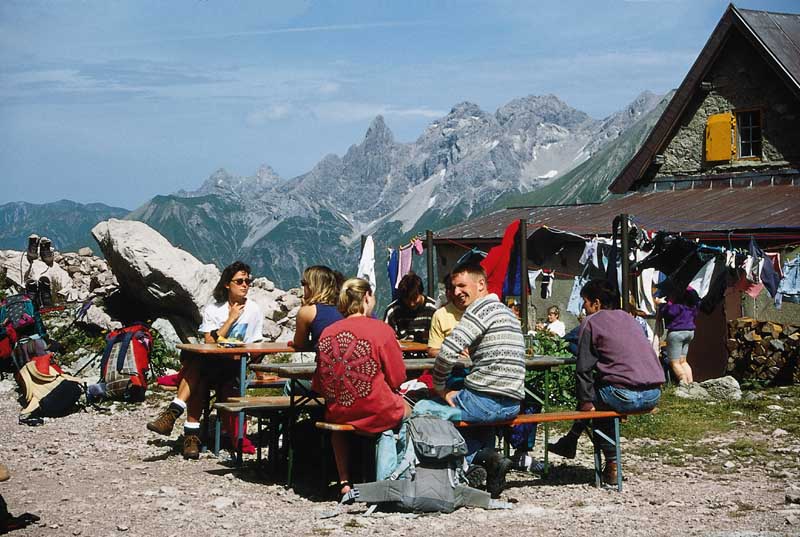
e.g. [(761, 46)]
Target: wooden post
[(523, 273), (626, 264), (429, 253)]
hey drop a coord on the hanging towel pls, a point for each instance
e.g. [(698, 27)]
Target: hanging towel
[(405, 263), (496, 262), (532, 276), (575, 303), (366, 265), (702, 280), (418, 246)]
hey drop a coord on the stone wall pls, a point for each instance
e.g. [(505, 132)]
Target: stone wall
[(741, 80)]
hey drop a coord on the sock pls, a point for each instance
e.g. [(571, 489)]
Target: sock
[(191, 428), (181, 405)]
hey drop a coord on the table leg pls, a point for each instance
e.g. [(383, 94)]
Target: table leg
[(545, 407)]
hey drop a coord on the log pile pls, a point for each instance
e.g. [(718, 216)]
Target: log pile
[(763, 351)]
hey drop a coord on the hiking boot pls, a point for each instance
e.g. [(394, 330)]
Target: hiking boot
[(33, 248), (4, 475), (566, 446), (476, 476), (165, 421), (191, 446), (496, 467), (46, 250), (610, 473)]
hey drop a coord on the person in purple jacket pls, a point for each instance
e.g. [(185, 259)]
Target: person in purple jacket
[(679, 313), (616, 368)]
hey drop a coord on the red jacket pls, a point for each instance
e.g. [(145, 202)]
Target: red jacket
[(496, 262), (359, 370)]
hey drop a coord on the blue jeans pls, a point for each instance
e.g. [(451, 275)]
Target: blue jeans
[(621, 400), (478, 407)]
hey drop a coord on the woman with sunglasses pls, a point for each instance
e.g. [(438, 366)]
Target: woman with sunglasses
[(320, 293), (230, 316)]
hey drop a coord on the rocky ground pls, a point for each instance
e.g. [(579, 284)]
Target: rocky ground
[(95, 474)]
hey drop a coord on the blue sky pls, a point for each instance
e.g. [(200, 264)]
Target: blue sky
[(119, 100)]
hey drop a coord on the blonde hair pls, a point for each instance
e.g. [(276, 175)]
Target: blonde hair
[(322, 283), (554, 309), (351, 297)]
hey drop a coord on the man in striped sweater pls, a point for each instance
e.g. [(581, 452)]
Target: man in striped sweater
[(490, 334)]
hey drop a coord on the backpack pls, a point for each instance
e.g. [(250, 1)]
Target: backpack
[(20, 311), (27, 349), (430, 477), (47, 391), (126, 359)]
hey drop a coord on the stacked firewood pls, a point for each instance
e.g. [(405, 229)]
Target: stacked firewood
[(763, 351)]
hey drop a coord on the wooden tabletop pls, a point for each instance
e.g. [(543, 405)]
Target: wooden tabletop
[(273, 348), (417, 365), (251, 348)]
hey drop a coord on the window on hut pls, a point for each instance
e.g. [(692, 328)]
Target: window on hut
[(749, 134)]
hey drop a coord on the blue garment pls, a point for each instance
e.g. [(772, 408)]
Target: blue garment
[(393, 267), (438, 408), (326, 316), (768, 276), (789, 288), (477, 407), (389, 450), (621, 400)]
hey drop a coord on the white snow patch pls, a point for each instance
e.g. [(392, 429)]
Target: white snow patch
[(431, 202), (549, 175)]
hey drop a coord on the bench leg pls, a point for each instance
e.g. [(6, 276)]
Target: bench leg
[(618, 450), (217, 434), (617, 453)]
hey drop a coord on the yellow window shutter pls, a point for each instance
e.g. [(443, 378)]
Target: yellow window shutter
[(720, 137)]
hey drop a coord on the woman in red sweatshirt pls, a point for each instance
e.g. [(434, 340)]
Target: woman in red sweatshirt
[(359, 370)]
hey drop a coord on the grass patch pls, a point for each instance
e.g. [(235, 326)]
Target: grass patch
[(684, 426)]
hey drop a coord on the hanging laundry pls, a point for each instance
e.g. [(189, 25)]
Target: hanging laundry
[(393, 268), (702, 280), (789, 287), (475, 255), (575, 302), (722, 278), (405, 258), (547, 283), (417, 244), (496, 262), (748, 287), (766, 271), (366, 265), (532, 277)]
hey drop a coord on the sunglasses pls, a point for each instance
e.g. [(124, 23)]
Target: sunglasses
[(243, 281)]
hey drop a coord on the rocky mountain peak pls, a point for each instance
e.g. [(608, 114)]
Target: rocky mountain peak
[(378, 134), (526, 113)]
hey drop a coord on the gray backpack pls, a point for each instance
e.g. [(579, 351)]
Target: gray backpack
[(430, 476)]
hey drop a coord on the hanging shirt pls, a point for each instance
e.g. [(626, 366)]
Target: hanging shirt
[(366, 265)]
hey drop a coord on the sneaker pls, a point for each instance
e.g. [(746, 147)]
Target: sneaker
[(518, 458), (191, 446), (46, 250), (476, 476), (566, 446), (165, 421), (33, 248), (536, 467)]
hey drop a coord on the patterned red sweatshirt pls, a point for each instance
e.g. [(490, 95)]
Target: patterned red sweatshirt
[(359, 369)]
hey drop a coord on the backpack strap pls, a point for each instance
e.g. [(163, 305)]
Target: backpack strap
[(123, 349)]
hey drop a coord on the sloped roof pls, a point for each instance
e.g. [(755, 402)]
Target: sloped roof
[(775, 35), (691, 210)]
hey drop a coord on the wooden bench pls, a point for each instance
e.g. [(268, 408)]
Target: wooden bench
[(545, 417)]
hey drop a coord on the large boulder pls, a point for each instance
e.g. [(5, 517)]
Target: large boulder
[(166, 280)]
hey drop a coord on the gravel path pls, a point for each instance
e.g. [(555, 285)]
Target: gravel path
[(93, 474)]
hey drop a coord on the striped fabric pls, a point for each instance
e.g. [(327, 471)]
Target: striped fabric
[(493, 336)]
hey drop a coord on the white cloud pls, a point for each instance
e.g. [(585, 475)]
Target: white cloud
[(327, 88), (352, 111), (273, 112)]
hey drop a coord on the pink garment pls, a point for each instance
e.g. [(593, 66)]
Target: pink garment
[(418, 246), (405, 263), (748, 287)]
